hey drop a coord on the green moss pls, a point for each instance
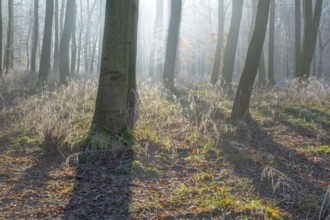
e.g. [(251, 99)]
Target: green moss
[(140, 170)]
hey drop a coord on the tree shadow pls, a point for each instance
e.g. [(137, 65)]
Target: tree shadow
[(102, 188)]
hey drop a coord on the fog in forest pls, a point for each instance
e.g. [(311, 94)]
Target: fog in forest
[(165, 109)]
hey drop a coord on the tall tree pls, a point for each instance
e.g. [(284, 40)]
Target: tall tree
[(230, 51), (271, 78), (111, 110), (65, 41), (9, 52), (74, 41), (56, 39), (311, 23), (0, 39), (46, 43), (241, 105), (157, 33), (35, 36), (297, 36), (172, 44), (217, 59)]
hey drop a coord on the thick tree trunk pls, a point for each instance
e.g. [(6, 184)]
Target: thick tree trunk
[(65, 42), (271, 77), (46, 43), (230, 51), (310, 36), (172, 44), (242, 99), (132, 87), (111, 110), (217, 60), (35, 36)]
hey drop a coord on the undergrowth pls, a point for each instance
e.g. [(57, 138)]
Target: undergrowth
[(180, 170)]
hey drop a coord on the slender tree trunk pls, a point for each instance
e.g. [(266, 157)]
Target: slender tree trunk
[(74, 41), (56, 40), (230, 51), (80, 38), (172, 44), (242, 99), (101, 29), (262, 71), (35, 36), (46, 43), (297, 36), (271, 78), (111, 110), (158, 26), (9, 52), (65, 42), (0, 39), (217, 60), (62, 17)]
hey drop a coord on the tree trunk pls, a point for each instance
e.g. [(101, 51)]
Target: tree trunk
[(65, 42), (310, 35), (158, 27), (271, 78), (242, 99), (46, 43), (230, 51), (132, 87), (297, 36), (9, 52), (111, 110), (217, 60), (74, 41), (0, 39), (172, 44), (56, 33), (35, 36), (262, 71)]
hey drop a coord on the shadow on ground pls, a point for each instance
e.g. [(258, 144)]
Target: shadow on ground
[(102, 188)]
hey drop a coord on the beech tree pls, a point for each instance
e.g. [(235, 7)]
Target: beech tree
[(35, 36), (65, 41), (9, 52), (271, 78), (240, 109), (172, 44), (217, 59), (230, 51), (46, 43), (311, 22), (117, 66)]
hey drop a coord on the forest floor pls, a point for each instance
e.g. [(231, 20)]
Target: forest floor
[(187, 161)]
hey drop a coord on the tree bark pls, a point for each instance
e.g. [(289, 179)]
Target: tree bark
[(310, 36), (65, 42), (217, 60), (297, 36), (230, 51), (0, 39), (46, 43), (172, 44), (56, 39), (111, 110), (158, 28), (9, 52), (35, 36), (74, 41), (241, 105), (271, 77)]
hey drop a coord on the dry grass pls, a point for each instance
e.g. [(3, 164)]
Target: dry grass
[(181, 168)]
